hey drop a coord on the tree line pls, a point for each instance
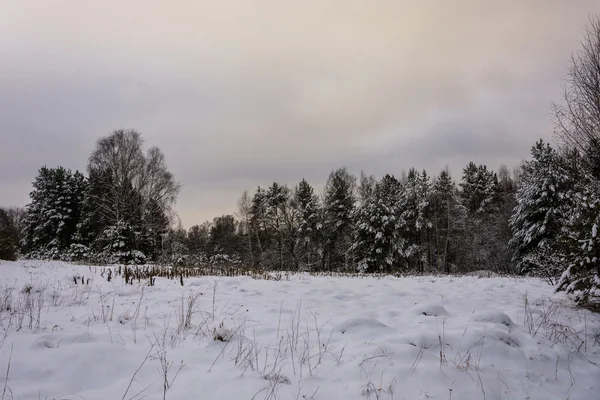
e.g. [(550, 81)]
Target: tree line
[(541, 218), (122, 213), (118, 213)]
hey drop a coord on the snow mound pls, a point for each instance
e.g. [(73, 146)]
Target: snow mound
[(503, 337), (362, 324), (424, 340), (430, 310), (81, 338), (46, 342), (495, 317)]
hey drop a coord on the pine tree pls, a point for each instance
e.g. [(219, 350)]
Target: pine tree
[(479, 189), (54, 212), (176, 249), (277, 198), (8, 237), (366, 186), (543, 205), (581, 264), (338, 216), (224, 240), (414, 203), (310, 226), (198, 240), (377, 242), (116, 244), (449, 219), (480, 194)]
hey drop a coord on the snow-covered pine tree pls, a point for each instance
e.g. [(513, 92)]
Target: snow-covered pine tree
[(449, 219), (581, 275), (480, 193), (377, 242), (116, 244), (224, 242), (175, 246), (543, 206), (413, 219), (339, 205), (480, 189), (366, 186), (424, 192), (310, 226), (54, 212)]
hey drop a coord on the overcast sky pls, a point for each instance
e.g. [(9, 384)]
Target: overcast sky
[(242, 93)]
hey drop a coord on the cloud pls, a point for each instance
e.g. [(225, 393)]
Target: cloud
[(239, 94)]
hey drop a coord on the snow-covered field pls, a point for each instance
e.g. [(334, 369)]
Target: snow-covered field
[(302, 338)]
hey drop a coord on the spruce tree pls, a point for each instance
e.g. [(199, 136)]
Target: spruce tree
[(377, 242), (310, 226), (480, 191), (277, 198), (543, 204), (414, 203), (339, 205), (54, 212), (581, 265)]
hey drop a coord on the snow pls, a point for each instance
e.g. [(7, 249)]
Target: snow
[(304, 338), (430, 309)]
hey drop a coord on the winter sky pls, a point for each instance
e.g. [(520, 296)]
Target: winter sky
[(243, 93)]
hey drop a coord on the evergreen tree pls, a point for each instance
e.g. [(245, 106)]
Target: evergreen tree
[(224, 240), (479, 189), (339, 204), (480, 194), (8, 237), (449, 219), (198, 237), (366, 186), (543, 205), (377, 243), (581, 264), (414, 204), (54, 212), (277, 197), (116, 244), (310, 226), (175, 247)]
